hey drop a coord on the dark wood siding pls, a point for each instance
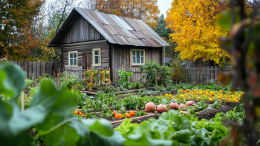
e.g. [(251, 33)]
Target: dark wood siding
[(81, 31), (121, 55), (87, 48)]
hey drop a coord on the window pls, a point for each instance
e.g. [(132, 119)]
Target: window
[(96, 55), (138, 56), (73, 58)]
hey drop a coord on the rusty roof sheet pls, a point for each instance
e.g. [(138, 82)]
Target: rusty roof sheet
[(116, 30)]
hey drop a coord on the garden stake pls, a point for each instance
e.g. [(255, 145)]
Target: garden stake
[(22, 101), (32, 80), (155, 77), (109, 77)]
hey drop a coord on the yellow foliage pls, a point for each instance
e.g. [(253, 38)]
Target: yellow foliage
[(196, 31)]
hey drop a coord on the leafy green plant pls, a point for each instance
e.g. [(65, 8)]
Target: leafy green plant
[(124, 78), (200, 105), (71, 82), (140, 113), (179, 73), (217, 104), (163, 78), (173, 128), (126, 127)]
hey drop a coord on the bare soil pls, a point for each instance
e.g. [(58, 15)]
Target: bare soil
[(210, 113)]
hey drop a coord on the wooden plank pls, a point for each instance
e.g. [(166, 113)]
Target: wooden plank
[(42, 73), (34, 69), (51, 68), (26, 69), (47, 67), (38, 69), (216, 73), (212, 73), (30, 71)]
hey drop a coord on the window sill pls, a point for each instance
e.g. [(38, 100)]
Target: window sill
[(136, 65)]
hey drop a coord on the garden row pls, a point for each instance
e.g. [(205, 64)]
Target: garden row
[(49, 120)]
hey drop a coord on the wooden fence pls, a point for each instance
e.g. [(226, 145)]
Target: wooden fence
[(38, 68), (199, 75)]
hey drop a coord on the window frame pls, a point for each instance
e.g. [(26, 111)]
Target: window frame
[(132, 61), (73, 57), (93, 56)]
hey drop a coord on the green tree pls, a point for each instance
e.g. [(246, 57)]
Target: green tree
[(161, 28), (164, 32)]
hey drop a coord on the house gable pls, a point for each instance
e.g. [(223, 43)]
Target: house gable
[(81, 31)]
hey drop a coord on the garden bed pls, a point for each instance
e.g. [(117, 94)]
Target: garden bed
[(136, 119), (210, 113), (118, 92)]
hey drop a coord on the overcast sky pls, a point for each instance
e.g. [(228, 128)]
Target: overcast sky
[(163, 5)]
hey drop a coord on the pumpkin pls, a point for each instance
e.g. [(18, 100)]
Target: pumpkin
[(149, 107), (114, 113), (132, 113), (118, 116), (189, 103), (76, 112), (182, 105), (174, 105), (162, 108), (127, 115)]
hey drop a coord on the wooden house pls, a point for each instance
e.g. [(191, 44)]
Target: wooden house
[(94, 40)]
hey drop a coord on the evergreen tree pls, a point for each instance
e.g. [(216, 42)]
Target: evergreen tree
[(161, 29)]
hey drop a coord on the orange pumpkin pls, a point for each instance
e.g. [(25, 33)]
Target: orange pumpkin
[(76, 112), (132, 113), (114, 113), (127, 115), (118, 116)]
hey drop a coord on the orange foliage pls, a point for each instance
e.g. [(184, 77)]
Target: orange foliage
[(146, 10), (17, 40)]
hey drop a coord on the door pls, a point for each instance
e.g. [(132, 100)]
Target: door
[(86, 60)]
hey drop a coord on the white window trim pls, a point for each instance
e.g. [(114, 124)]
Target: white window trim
[(76, 57), (93, 57), (137, 64)]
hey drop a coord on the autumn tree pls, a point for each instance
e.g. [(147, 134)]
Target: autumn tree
[(146, 10), (16, 25), (196, 29)]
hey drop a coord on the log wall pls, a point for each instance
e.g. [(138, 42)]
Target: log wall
[(86, 47)]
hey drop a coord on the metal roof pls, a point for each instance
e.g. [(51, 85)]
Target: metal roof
[(116, 30)]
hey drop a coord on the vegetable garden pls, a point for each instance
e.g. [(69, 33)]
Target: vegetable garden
[(163, 115)]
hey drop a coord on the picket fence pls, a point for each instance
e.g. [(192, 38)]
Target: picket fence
[(36, 69)]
